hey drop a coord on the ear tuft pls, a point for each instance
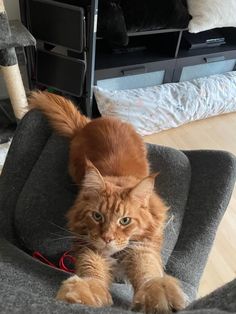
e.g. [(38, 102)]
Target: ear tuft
[(143, 190), (93, 180)]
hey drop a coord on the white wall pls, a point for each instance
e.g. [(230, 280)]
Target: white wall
[(12, 8)]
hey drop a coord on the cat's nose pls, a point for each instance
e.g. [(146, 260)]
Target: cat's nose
[(107, 238)]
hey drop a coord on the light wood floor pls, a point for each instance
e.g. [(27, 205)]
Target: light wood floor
[(214, 133)]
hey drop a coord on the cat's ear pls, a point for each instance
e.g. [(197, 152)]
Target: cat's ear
[(143, 190), (93, 180)]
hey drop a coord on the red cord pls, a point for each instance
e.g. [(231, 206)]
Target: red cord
[(63, 259), (66, 257)]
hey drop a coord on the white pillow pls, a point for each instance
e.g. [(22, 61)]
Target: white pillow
[(208, 14), (156, 108)]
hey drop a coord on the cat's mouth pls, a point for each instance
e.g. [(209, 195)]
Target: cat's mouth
[(109, 248)]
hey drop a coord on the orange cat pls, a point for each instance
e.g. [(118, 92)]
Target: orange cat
[(117, 216)]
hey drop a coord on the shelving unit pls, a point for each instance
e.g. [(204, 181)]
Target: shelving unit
[(152, 57), (167, 53)]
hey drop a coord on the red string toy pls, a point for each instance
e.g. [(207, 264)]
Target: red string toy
[(63, 261)]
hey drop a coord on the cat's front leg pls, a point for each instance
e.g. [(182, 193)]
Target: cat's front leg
[(87, 291), (159, 295), (154, 291), (90, 285)]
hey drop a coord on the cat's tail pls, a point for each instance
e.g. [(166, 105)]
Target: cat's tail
[(61, 112)]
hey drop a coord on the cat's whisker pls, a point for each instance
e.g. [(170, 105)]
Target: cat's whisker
[(61, 234), (81, 244), (173, 259), (77, 241), (68, 231), (171, 251), (78, 244), (74, 234), (142, 244), (83, 237), (170, 220), (62, 238), (71, 236), (75, 238)]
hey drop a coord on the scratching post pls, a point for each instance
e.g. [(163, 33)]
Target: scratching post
[(13, 35), (15, 88)]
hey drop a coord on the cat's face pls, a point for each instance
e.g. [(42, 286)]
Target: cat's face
[(107, 217)]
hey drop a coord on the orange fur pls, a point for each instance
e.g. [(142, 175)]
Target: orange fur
[(61, 112), (117, 216)]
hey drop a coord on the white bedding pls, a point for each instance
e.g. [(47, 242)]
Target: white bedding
[(156, 108), (209, 14)]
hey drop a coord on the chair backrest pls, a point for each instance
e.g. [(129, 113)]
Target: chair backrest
[(36, 190)]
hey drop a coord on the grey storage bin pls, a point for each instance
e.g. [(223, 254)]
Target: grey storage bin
[(201, 70), (137, 76)]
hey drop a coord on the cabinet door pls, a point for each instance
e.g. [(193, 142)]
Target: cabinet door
[(135, 76), (204, 65), (57, 23), (60, 72)]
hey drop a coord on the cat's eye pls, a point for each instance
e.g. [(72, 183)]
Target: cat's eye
[(97, 216), (125, 221)]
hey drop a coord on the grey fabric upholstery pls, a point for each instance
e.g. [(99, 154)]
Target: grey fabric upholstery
[(36, 191)]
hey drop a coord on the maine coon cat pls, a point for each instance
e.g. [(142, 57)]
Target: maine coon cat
[(116, 216)]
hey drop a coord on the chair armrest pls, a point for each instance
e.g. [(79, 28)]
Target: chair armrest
[(31, 136), (212, 183)]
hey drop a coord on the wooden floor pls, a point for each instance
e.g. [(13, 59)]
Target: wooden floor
[(214, 133)]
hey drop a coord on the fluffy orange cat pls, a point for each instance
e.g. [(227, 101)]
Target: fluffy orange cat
[(117, 217)]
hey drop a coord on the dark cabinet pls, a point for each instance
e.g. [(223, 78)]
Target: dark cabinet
[(64, 58)]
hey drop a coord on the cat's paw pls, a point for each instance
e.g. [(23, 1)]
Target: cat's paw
[(159, 296), (87, 291)]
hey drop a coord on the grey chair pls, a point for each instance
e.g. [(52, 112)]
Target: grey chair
[(36, 191)]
